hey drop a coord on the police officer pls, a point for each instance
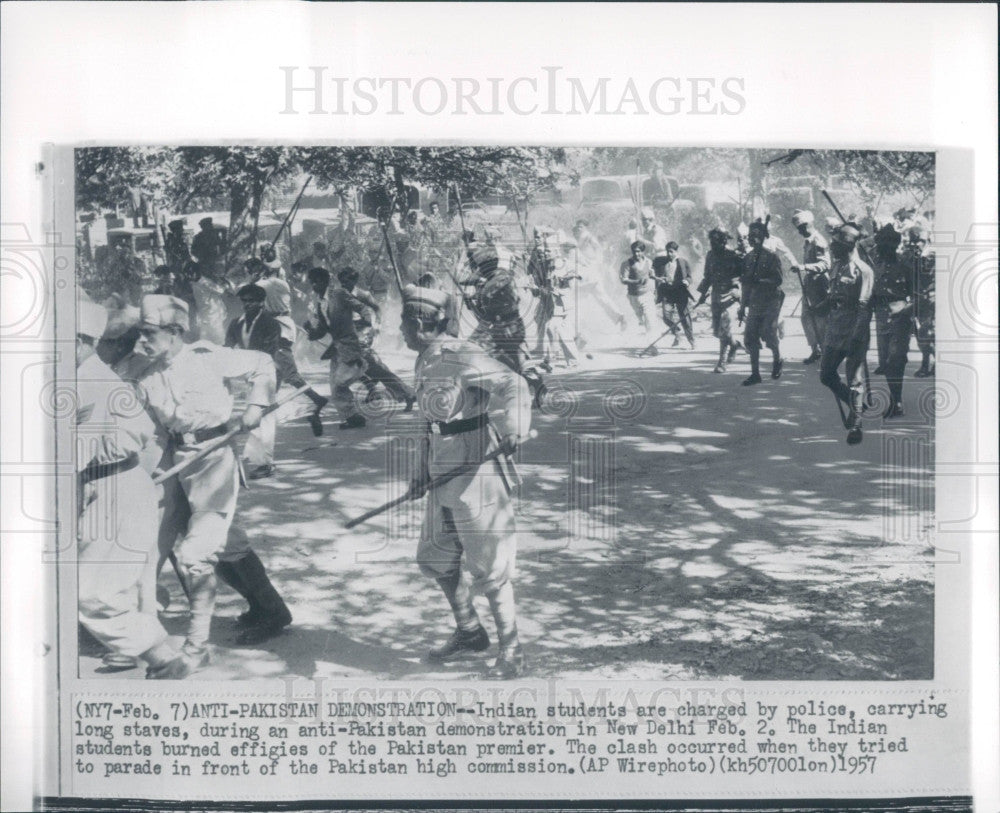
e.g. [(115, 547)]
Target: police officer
[(921, 259), (207, 248), (815, 285), (116, 531), (183, 386), (469, 521), (495, 301), (892, 297), (761, 302), (721, 282), (848, 327), (550, 275)]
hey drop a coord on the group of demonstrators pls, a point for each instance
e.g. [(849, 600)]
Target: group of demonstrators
[(164, 481)]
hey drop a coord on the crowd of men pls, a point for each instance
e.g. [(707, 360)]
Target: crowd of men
[(165, 482)]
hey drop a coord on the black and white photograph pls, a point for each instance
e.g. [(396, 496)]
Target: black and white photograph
[(459, 406), (444, 412)]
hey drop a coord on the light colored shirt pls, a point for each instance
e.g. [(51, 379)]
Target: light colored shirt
[(110, 421), (188, 392)]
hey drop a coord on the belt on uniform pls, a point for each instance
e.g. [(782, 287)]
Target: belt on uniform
[(98, 471), (445, 428), (198, 435)]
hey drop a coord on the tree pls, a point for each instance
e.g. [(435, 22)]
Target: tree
[(474, 170)]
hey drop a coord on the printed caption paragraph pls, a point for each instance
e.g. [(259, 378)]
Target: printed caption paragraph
[(732, 735)]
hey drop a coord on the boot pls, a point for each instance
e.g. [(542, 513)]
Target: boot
[(469, 635), (202, 586), (229, 575), (509, 664), (275, 613), (776, 366), (854, 434), (720, 366), (461, 643), (510, 659), (315, 422), (163, 663), (813, 357), (354, 422), (924, 370)]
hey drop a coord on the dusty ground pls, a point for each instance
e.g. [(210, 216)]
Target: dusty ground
[(672, 525)]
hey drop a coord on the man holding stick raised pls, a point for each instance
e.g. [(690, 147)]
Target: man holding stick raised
[(848, 328), (470, 517), (183, 387)]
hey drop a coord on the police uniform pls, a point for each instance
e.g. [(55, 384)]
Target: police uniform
[(175, 246), (116, 531), (815, 285), (762, 297), (470, 519), (848, 329), (892, 298), (922, 262), (206, 247), (186, 395), (547, 269), (500, 329), (721, 281)]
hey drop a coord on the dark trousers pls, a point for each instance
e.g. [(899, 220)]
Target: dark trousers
[(288, 371), (683, 321), (839, 345), (896, 331), (377, 371)]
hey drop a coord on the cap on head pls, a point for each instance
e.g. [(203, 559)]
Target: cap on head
[(757, 227), (847, 234), (832, 223), (719, 236), (162, 310), (205, 221), (251, 293), (424, 303), (178, 225), (800, 216), (743, 230), (918, 234), (92, 319), (121, 322)]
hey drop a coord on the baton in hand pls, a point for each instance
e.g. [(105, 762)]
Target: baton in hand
[(222, 440), (436, 482)]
